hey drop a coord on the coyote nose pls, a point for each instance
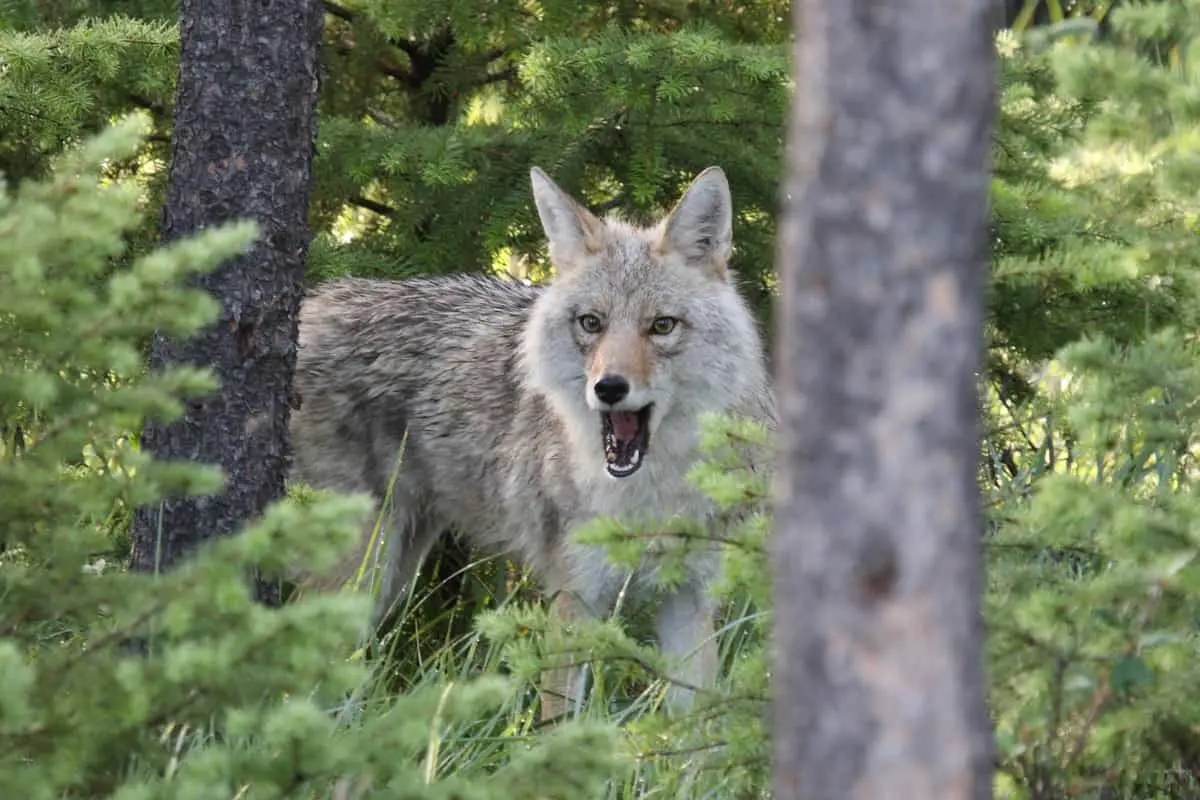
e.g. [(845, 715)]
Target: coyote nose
[(611, 389)]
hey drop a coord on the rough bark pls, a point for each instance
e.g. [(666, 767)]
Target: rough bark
[(878, 650), (245, 121)]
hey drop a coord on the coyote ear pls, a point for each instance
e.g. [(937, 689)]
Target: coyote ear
[(571, 229), (700, 228)]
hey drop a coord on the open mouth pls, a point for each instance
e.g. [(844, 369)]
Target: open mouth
[(626, 436)]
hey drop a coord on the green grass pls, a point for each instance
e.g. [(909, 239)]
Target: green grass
[(434, 642)]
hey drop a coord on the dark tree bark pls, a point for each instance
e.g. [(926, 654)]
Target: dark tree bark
[(245, 122), (878, 649)]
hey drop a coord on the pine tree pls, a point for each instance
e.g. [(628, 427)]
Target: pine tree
[(227, 163), (1086, 461), (876, 541)]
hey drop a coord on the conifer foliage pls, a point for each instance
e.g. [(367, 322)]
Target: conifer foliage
[(430, 114), (230, 698), (1092, 603)]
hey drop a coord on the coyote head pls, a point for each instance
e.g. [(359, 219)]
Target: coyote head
[(641, 329)]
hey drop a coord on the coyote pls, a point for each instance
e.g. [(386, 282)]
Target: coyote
[(522, 412)]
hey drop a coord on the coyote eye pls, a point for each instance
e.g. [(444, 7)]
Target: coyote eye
[(590, 323), (661, 326)]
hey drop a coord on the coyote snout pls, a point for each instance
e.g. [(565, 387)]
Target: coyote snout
[(620, 365), (624, 422)]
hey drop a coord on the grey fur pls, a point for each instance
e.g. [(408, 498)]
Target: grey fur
[(490, 379)]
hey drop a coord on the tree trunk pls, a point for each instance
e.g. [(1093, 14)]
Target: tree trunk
[(243, 144), (878, 670)]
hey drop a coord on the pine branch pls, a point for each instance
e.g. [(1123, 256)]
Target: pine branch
[(371, 205), (409, 47), (382, 118), (613, 202), (506, 74), (341, 12), (382, 64), (35, 115)]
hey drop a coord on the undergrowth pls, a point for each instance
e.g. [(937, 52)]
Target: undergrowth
[(178, 685)]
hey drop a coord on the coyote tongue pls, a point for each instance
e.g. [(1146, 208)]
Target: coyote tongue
[(625, 425), (626, 436)]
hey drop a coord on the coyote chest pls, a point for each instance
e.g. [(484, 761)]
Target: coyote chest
[(662, 493)]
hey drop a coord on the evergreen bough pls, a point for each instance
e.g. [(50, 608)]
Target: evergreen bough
[(179, 685), (1086, 462)]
